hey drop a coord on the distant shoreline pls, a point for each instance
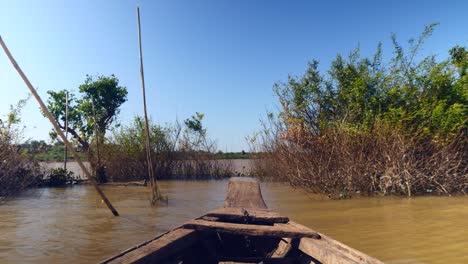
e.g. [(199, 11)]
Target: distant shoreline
[(239, 166)]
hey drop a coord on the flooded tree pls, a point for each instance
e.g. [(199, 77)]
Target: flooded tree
[(90, 115)]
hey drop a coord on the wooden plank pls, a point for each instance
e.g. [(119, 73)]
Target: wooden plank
[(278, 230), (328, 250), (244, 192), (159, 248), (250, 215), (236, 260), (284, 246)]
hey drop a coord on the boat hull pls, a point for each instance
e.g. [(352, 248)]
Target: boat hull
[(243, 231)]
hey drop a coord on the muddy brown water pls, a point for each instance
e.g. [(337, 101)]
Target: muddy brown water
[(71, 225)]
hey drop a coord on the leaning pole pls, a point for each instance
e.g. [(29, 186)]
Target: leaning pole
[(57, 128)]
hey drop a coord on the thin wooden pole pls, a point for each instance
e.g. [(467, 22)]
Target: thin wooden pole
[(65, 153), (96, 134), (57, 128), (155, 194)]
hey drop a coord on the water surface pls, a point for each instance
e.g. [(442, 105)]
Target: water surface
[(72, 225)]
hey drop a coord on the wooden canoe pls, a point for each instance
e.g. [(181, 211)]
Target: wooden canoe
[(243, 231)]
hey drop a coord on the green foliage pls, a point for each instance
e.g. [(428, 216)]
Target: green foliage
[(425, 98), (14, 116), (194, 137), (17, 172), (11, 131), (233, 155), (194, 123), (59, 177), (42, 151), (125, 155), (107, 96), (180, 151), (131, 139), (368, 126)]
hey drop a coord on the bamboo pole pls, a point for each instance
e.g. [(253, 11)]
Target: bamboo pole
[(155, 192), (65, 153), (56, 126)]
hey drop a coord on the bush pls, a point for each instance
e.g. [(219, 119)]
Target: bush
[(17, 172), (367, 126), (178, 152), (342, 163), (101, 174), (59, 177)]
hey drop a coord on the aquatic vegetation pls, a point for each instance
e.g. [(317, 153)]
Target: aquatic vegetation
[(17, 172), (372, 126), (89, 116), (180, 151), (59, 177)]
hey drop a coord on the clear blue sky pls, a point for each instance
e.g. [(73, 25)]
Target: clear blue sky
[(217, 57)]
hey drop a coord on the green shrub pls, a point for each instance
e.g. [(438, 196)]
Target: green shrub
[(59, 177), (17, 172), (369, 126)]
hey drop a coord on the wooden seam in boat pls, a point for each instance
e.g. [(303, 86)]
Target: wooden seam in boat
[(244, 231)]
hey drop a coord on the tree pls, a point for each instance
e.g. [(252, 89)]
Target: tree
[(194, 136), (106, 95)]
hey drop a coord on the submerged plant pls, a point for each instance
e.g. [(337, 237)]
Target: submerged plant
[(60, 177)]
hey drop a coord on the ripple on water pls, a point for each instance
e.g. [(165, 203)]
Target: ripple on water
[(73, 225)]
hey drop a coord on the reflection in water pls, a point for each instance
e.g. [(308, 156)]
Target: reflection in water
[(72, 225)]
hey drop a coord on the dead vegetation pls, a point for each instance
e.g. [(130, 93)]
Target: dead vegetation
[(179, 151), (342, 163), (372, 126), (17, 172)]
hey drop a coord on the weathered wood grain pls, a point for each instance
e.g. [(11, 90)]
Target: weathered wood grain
[(255, 260), (250, 215), (277, 230), (244, 192), (159, 248), (284, 246), (328, 250)]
